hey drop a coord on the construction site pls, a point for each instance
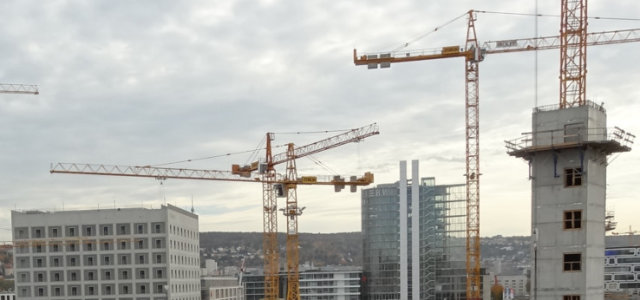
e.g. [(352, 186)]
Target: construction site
[(420, 239)]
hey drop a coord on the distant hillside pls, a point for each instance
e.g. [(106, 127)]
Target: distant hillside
[(499, 254), (228, 248)]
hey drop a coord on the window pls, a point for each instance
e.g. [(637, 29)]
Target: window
[(573, 177), (74, 291), (572, 261), (106, 260), (125, 274), (123, 245), (89, 275), (105, 246), (37, 233), (56, 291), (157, 226), (123, 229), (89, 231), (125, 289), (72, 231), (105, 230), (158, 243), (90, 261), (74, 276), (107, 290), (143, 289), (159, 258), (572, 219), (56, 262), (90, 290), (571, 297), (54, 232), (107, 275), (140, 228), (142, 274), (41, 292)]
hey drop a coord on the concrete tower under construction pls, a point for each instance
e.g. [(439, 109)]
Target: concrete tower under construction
[(567, 153)]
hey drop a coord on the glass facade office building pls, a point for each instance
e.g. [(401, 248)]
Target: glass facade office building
[(440, 248)]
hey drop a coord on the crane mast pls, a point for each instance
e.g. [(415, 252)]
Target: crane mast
[(573, 53), (472, 175), (291, 212)]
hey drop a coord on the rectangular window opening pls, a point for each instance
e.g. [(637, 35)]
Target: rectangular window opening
[(573, 177), (572, 219), (572, 262)]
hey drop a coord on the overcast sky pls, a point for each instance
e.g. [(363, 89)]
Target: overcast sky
[(152, 82)]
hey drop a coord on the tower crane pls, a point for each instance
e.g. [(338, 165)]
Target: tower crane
[(269, 217), (273, 184), (11, 88), (572, 42)]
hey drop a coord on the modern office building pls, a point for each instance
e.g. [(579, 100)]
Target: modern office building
[(327, 283), (414, 239), (567, 154), (622, 267), (132, 253)]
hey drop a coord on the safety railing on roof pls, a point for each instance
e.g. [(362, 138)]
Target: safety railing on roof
[(569, 136)]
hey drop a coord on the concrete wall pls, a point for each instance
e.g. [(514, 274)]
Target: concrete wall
[(551, 198)]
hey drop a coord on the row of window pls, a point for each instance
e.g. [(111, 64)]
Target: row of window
[(92, 289), (89, 260), (87, 245), (88, 230), (177, 230), (90, 275)]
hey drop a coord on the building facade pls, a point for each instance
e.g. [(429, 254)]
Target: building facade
[(567, 153), (329, 283), (622, 266), (221, 288), (131, 253), (414, 239)]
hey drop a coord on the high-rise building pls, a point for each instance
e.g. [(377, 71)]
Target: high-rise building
[(567, 154), (132, 253), (414, 239)]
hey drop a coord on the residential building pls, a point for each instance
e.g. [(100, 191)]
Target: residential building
[(135, 253), (414, 239), (567, 153)]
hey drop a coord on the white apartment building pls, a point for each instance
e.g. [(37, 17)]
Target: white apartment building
[(114, 254)]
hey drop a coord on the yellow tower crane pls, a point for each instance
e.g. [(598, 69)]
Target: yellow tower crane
[(572, 42), (270, 224), (274, 185)]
